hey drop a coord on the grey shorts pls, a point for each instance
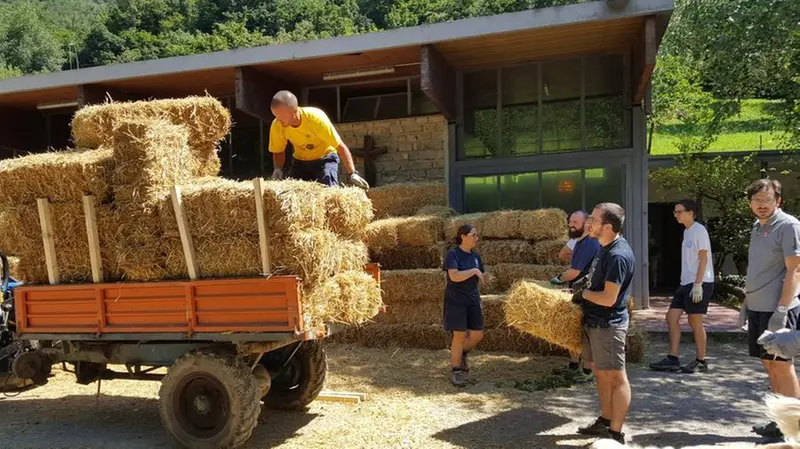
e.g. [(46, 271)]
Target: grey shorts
[(605, 347)]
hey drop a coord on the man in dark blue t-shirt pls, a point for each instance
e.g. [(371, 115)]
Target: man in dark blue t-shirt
[(605, 319)]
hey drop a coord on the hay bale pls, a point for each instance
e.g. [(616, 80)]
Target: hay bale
[(213, 257), (207, 120), (348, 211), (543, 224), (349, 297), (452, 225), (412, 286), (410, 257), (150, 157), (390, 233), (61, 176), (71, 243), (506, 274), (547, 314), (635, 344), (502, 224), (405, 198), (494, 252), (439, 211), (431, 312), (546, 251), (221, 207)]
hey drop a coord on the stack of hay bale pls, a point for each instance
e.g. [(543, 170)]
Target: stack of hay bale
[(132, 155)]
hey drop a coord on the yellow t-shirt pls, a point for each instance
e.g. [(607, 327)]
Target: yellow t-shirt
[(314, 139)]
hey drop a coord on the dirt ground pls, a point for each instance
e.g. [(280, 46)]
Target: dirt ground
[(412, 405)]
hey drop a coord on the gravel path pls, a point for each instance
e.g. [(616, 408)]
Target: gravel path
[(411, 404)]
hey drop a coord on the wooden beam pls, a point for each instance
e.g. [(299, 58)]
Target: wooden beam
[(263, 232), (46, 222), (95, 257), (643, 59), (438, 81), (186, 236), (254, 92)]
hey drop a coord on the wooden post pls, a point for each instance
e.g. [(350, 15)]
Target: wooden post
[(263, 235), (46, 221), (94, 239), (186, 236)]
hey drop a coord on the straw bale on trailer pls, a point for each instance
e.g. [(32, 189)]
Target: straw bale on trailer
[(543, 224), (452, 225), (545, 313), (61, 176), (439, 211), (349, 297), (546, 251), (149, 158), (13, 267), (207, 119), (221, 207), (505, 251), (502, 224), (348, 211), (232, 256), (390, 233), (407, 257), (505, 274), (405, 198)]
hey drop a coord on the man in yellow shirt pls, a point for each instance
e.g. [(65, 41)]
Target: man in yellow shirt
[(317, 146)]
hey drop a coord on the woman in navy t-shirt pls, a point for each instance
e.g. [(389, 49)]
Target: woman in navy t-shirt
[(463, 312)]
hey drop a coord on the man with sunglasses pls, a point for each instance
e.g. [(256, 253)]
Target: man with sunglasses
[(605, 319)]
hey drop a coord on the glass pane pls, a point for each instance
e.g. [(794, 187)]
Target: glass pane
[(562, 189), (480, 114), (604, 185), (393, 106), (519, 191), (480, 193), (325, 99), (604, 103), (561, 106), (420, 104), (359, 109), (519, 115)]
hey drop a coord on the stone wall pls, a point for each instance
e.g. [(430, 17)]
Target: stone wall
[(416, 147)]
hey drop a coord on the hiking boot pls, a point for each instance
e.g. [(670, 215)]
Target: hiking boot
[(458, 378), (582, 377), (770, 430), (666, 364), (464, 366), (694, 366), (598, 428)]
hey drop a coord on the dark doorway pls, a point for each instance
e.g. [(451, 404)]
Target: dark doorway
[(665, 247)]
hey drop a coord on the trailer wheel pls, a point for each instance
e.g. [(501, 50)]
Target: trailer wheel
[(209, 401), (296, 382)]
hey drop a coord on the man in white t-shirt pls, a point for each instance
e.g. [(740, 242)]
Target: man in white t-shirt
[(694, 294)]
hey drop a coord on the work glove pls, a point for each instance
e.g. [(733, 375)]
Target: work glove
[(777, 321), (557, 281), (697, 293), (577, 297), (358, 181), (783, 343), (277, 174)]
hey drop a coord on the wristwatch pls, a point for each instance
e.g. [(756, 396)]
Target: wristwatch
[(781, 309)]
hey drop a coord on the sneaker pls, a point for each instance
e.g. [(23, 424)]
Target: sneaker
[(694, 366), (619, 437), (582, 377), (770, 430), (464, 366), (666, 364), (458, 378), (598, 428)]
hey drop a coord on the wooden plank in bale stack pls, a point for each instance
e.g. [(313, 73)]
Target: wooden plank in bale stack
[(93, 236), (46, 221), (263, 235), (186, 236)]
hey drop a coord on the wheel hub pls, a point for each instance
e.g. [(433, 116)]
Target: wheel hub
[(202, 406)]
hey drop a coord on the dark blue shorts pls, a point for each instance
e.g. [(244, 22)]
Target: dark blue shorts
[(683, 299), (324, 171), (757, 323), (461, 316)]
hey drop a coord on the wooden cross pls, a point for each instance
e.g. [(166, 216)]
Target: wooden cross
[(368, 153)]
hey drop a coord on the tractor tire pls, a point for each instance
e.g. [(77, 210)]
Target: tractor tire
[(209, 400), (298, 381)]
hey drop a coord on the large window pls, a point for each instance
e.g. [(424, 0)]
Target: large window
[(569, 190), (548, 107)]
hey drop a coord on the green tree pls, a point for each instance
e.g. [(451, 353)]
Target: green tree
[(26, 42)]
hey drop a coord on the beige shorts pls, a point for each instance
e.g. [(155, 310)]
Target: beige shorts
[(605, 347)]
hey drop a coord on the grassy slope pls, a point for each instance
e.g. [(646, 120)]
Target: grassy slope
[(752, 129)]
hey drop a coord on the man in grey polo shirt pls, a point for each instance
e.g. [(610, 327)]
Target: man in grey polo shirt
[(773, 284)]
